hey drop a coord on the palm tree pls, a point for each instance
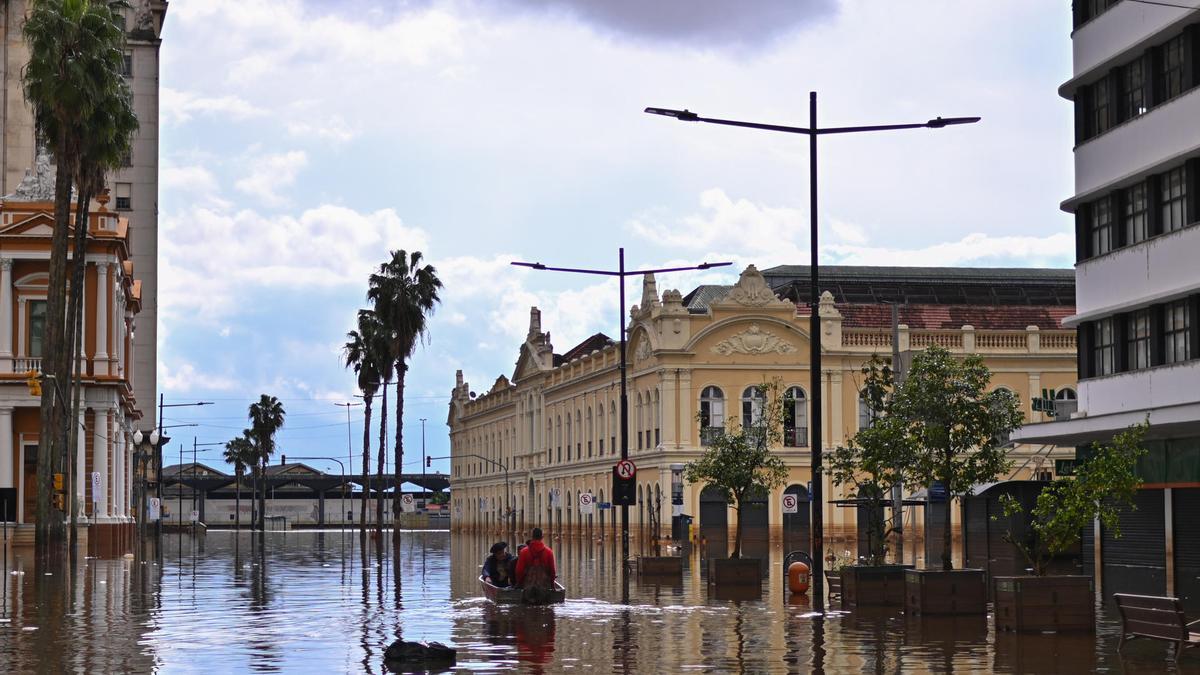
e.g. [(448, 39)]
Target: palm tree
[(266, 418), (240, 453), (363, 350), (75, 63), (404, 293)]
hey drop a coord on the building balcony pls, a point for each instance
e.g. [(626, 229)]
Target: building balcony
[(1116, 35), (1167, 134), (1154, 270), (964, 340), (1158, 387)]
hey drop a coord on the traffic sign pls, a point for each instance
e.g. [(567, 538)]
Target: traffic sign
[(556, 497), (585, 503), (97, 488), (790, 504), (626, 469), (195, 516), (408, 503)]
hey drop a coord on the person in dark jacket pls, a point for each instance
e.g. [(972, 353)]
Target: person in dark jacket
[(499, 568)]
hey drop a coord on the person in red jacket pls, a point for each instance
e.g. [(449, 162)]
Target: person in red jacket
[(535, 564)]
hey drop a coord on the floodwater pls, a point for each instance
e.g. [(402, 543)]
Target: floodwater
[(313, 602)]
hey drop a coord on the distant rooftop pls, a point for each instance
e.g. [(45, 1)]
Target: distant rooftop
[(929, 285), (597, 341)]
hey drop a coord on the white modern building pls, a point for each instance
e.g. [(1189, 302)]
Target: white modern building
[(1136, 91)]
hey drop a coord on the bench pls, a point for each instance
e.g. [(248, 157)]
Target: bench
[(833, 582), (1157, 618)]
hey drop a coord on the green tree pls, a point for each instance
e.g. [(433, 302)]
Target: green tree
[(241, 454), (266, 418), (75, 64), (954, 428), (873, 461), (1105, 482), (738, 461), (366, 351), (404, 293)]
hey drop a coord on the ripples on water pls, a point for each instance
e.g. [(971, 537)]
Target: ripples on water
[(313, 602)]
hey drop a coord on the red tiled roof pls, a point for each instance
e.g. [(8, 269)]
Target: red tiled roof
[(952, 317)]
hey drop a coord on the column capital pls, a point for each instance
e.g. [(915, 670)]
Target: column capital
[(6, 264)]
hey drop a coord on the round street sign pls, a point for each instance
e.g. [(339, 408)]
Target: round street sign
[(626, 469), (789, 504), (585, 499), (408, 499)]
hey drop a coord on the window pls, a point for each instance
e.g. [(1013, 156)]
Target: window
[(1065, 394), (712, 413), (1101, 227), (1172, 68), (795, 418), (866, 416), (123, 196), (1176, 332), (637, 431), (1137, 340), (1133, 96), (127, 64), (1174, 199), (1133, 217), (37, 327), (753, 402), (1102, 347), (1101, 120)]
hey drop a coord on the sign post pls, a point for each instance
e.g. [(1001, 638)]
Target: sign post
[(624, 486)]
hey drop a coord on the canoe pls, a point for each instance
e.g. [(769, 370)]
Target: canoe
[(512, 596)]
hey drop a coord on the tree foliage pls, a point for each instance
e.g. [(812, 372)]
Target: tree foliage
[(952, 428), (266, 419), (1105, 483), (738, 461), (874, 460)]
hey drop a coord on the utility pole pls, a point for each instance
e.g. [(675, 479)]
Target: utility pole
[(349, 457), (423, 501)]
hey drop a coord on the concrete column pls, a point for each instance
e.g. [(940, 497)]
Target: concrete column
[(1035, 390), (7, 443), (118, 472), (102, 293), (1169, 538), (6, 311), (100, 461)]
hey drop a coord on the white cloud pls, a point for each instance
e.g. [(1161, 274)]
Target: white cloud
[(185, 377), (332, 129), (1055, 250), (270, 173), (194, 179), (177, 107), (210, 256)]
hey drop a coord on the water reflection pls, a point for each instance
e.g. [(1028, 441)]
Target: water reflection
[(332, 602)]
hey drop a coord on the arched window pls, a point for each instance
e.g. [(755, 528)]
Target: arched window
[(712, 413), (753, 402), (657, 419), (549, 441), (578, 435), (1065, 394), (569, 438), (558, 435), (637, 430), (590, 431), (795, 418), (866, 416), (613, 421), (601, 428)]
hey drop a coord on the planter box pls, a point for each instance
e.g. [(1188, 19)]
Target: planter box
[(735, 571), (945, 592), (873, 586), (659, 566), (1066, 603)]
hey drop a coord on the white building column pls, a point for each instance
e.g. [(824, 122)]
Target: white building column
[(6, 311), (6, 448), (102, 293), (118, 472), (81, 478), (100, 461)]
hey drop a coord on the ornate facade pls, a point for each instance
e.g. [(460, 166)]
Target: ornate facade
[(693, 363)]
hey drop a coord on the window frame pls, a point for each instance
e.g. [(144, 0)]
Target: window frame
[(1103, 347), (1137, 342), (1176, 332)]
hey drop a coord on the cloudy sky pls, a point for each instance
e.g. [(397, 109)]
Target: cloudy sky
[(303, 139)]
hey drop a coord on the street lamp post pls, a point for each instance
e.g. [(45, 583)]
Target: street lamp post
[(620, 273), (349, 456), (423, 501), (813, 131)]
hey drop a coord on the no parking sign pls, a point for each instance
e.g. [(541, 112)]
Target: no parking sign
[(791, 504)]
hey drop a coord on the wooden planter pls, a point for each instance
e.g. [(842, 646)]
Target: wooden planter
[(873, 585), (659, 566), (1035, 604), (945, 592), (735, 571)]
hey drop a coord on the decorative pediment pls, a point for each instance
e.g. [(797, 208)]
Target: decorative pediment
[(752, 290), (500, 385), (31, 225), (753, 340)]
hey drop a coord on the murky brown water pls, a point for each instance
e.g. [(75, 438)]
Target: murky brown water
[(306, 602)]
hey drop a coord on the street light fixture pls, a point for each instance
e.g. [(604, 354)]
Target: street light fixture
[(812, 131), (620, 273)]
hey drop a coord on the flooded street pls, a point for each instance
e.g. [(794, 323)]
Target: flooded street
[(313, 602)]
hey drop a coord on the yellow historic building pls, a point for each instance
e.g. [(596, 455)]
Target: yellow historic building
[(694, 360)]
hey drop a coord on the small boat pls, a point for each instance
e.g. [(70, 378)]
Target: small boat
[(513, 596)]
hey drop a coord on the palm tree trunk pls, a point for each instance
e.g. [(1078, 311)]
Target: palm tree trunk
[(379, 462), (401, 368), (237, 502), (75, 340), (262, 494), (366, 465), (49, 526)]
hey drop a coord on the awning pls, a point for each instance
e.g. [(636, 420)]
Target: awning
[(1170, 422)]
